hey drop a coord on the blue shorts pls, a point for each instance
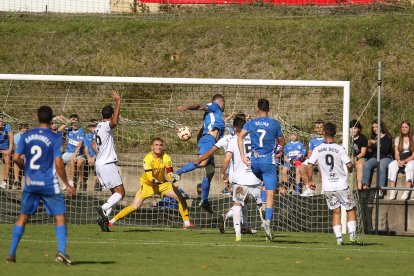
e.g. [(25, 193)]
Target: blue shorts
[(267, 173), (54, 203), (206, 143)]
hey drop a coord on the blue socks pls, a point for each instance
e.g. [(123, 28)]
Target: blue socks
[(187, 168), (17, 234), (61, 236), (263, 196), (205, 189), (269, 214)]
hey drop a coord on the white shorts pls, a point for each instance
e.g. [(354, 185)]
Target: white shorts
[(335, 199), (240, 193), (108, 175)]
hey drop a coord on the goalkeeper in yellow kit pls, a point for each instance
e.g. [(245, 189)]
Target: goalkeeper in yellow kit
[(156, 179)]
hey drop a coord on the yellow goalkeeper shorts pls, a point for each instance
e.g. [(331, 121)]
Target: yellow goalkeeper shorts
[(146, 191)]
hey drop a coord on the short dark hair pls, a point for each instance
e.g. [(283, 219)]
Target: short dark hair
[(295, 129), (241, 115), (319, 121), (45, 114), (217, 96), (329, 129), (74, 115), (23, 125), (263, 105), (157, 139), (238, 123), (107, 112), (355, 123)]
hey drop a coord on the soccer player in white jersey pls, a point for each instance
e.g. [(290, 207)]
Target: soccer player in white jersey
[(332, 159), (245, 182), (228, 176), (106, 159)]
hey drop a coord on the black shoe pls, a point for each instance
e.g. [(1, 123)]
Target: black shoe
[(206, 206), (60, 257), (104, 224), (10, 259), (222, 227), (247, 230), (101, 213)]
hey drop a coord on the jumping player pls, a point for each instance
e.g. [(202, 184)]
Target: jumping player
[(213, 129)]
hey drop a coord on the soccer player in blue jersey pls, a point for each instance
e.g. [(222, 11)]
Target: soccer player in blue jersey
[(213, 129), (264, 133), (294, 154), (6, 146), (42, 150)]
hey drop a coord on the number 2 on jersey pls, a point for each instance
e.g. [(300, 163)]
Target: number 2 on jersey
[(262, 135), (37, 153)]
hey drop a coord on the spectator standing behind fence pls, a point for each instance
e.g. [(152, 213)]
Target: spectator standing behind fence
[(16, 170), (385, 156), (403, 162), (6, 146), (359, 147)]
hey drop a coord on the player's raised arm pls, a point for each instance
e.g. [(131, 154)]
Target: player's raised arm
[(192, 107), (240, 138), (115, 117)]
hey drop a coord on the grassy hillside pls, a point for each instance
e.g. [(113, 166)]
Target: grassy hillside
[(234, 45)]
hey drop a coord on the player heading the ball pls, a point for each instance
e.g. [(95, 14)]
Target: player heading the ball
[(212, 131), (332, 158), (43, 159)]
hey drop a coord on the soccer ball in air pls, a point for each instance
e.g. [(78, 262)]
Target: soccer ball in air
[(184, 133)]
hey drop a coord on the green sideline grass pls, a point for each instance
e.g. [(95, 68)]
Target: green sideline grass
[(246, 44), (144, 251)]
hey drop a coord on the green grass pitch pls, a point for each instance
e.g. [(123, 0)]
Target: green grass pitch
[(152, 251)]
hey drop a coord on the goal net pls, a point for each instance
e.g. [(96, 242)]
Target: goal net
[(149, 109)]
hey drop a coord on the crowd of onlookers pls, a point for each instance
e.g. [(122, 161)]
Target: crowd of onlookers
[(77, 150), (396, 156)]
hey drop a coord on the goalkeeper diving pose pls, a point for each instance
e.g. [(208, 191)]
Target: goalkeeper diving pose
[(213, 129), (156, 179)]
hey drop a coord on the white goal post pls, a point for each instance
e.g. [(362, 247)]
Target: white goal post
[(148, 110)]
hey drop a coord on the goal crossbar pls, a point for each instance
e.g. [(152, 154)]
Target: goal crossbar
[(346, 85)]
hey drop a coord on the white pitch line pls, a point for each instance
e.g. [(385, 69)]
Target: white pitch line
[(167, 243)]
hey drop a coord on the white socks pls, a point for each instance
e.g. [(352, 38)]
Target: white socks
[(114, 199), (338, 231), (236, 220), (351, 227)]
